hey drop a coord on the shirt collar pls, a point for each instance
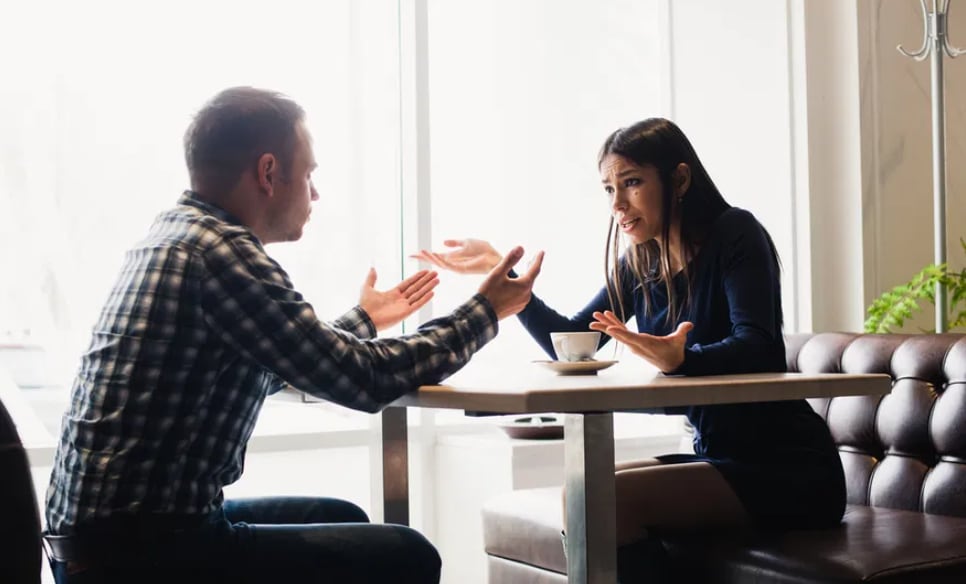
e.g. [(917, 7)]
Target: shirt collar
[(192, 199)]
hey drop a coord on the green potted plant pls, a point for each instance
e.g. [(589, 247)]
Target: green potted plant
[(894, 307)]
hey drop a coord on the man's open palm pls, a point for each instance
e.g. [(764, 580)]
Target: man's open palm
[(388, 308)]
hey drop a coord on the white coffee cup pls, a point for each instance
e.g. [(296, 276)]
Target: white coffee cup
[(580, 346)]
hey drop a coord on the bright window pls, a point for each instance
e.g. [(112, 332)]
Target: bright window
[(92, 117), (519, 108)]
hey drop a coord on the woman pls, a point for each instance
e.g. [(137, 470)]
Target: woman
[(701, 279)]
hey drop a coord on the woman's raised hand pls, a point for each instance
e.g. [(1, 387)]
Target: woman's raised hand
[(666, 353), (467, 256)]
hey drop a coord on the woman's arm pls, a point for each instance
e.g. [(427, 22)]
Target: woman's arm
[(477, 256), (751, 284), (540, 320), (748, 271)]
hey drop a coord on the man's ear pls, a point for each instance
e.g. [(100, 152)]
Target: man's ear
[(267, 172), (682, 179)]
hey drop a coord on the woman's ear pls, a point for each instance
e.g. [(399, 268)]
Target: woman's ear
[(682, 179)]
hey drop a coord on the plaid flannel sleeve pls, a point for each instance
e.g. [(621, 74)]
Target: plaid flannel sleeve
[(357, 322), (251, 305)]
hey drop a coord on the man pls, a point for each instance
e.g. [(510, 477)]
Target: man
[(200, 327)]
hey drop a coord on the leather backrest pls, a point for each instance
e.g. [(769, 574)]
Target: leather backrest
[(905, 450), (20, 552)]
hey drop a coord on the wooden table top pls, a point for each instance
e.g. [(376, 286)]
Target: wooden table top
[(530, 388)]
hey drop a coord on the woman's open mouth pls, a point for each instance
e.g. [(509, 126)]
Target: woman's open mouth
[(629, 224)]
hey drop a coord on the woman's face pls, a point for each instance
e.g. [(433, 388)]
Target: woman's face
[(636, 197)]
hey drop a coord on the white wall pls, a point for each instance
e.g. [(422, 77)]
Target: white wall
[(833, 134), (896, 110), (731, 94)]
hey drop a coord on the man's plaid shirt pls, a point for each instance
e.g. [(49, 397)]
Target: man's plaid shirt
[(199, 328)]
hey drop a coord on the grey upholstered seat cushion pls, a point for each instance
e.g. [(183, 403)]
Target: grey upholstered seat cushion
[(524, 526)]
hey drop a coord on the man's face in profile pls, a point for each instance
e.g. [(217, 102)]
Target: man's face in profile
[(294, 192)]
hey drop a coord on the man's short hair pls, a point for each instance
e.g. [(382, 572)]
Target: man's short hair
[(234, 129)]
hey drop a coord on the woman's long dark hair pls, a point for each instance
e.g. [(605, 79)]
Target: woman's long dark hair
[(660, 143)]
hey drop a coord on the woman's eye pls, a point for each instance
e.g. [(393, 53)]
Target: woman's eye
[(632, 182), (609, 190)]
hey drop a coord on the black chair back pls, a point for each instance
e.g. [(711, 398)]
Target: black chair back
[(20, 547)]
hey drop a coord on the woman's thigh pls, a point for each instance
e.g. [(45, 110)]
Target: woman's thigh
[(674, 497)]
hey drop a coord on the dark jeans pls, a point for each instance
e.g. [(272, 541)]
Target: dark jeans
[(267, 540)]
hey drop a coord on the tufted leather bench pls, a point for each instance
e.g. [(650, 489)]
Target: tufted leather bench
[(904, 457)]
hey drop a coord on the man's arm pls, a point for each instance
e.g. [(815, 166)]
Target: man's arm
[(357, 322), (378, 310), (250, 304)]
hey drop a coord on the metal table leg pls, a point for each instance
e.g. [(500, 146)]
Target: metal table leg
[(591, 514), (395, 466)]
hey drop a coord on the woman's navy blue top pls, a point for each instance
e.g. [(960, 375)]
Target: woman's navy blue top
[(737, 315)]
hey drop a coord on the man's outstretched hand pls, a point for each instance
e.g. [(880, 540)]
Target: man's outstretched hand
[(386, 309), (507, 295)]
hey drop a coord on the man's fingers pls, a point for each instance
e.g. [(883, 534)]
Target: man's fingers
[(411, 281), (684, 328), (417, 293), (416, 304), (370, 278), (454, 242), (415, 281), (509, 260)]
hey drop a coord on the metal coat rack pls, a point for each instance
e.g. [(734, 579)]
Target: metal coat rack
[(935, 42)]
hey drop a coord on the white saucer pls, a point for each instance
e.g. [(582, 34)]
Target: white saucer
[(576, 367)]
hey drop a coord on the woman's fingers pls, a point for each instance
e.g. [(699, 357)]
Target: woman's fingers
[(420, 255), (534, 269), (438, 260), (622, 334), (612, 318), (608, 318)]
